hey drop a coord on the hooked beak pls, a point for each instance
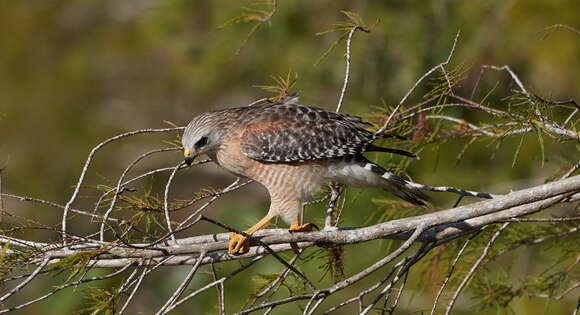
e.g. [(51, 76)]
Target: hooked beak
[(189, 156)]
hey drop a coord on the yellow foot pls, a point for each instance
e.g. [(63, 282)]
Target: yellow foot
[(238, 243), (302, 228)]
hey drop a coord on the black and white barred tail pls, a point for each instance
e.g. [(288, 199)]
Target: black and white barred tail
[(458, 191), (393, 183), (357, 171)]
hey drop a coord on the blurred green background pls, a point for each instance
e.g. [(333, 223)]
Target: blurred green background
[(74, 73)]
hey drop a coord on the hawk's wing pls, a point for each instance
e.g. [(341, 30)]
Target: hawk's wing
[(305, 139)]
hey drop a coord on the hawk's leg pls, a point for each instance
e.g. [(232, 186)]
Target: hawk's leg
[(241, 244), (297, 227)]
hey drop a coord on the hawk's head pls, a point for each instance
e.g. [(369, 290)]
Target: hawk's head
[(202, 135)]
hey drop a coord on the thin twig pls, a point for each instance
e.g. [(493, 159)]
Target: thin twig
[(564, 26), (347, 282), (402, 271), (510, 72), (549, 220), (55, 205), (561, 295), (451, 269), (334, 194), (146, 271), (231, 187), (259, 101), (275, 283), (179, 291), (1, 195), (275, 303), (126, 284), (347, 70), (571, 171), (117, 189), (64, 286), (183, 226), (272, 12), (572, 114), (535, 241), (444, 63), (26, 281), (371, 289), (461, 122), (314, 307), (340, 208), (470, 105), (149, 173), (575, 312), (166, 202), (474, 268), (221, 280), (569, 101), (86, 167), (401, 288), (134, 291), (220, 290)]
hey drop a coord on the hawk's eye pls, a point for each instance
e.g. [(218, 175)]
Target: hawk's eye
[(201, 142)]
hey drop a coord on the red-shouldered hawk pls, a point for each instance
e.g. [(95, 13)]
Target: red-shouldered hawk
[(292, 150)]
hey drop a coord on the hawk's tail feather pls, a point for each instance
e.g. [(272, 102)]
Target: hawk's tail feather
[(390, 135), (375, 148), (453, 190), (412, 192), (398, 186), (357, 171)]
